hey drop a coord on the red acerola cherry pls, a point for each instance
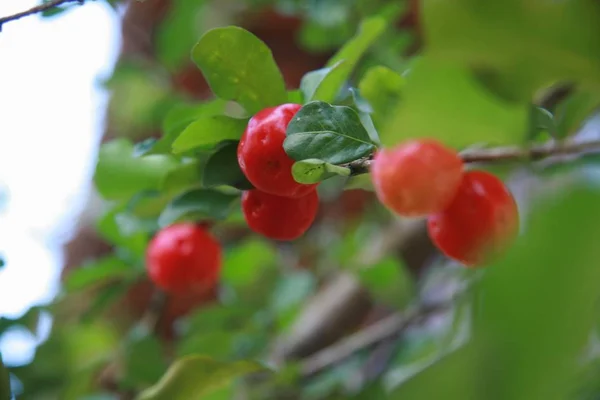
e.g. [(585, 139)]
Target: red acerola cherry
[(480, 223), (261, 155), (416, 178), (279, 218), (183, 258)]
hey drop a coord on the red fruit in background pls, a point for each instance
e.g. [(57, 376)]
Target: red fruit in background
[(416, 178), (279, 218), (261, 155), (183, 258), (480, 223)]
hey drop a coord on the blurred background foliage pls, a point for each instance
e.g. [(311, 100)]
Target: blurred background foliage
[(362, 307)]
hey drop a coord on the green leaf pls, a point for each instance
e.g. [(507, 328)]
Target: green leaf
[(209, 130), (557, 41), (119, 233), (193, 377), (197, 204), (238, 66), (143, 359), (322, 84), (382, 88), (331, 133), (542, 120), (5, 391), (98, 271), (442, 100), (119, 174), (370, 29), (187, 174), (389, 282), (222, 168), (245, 263), (571, 113), (314, 170), (520, 318), (295, 96), (325, 84), (179, 117)]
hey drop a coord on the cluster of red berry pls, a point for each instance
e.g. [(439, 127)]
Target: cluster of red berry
[(279, 207), (471, 215)]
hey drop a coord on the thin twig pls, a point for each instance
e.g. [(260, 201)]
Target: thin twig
[(368, 337), (154, 311), (37, 9), (502, 154)]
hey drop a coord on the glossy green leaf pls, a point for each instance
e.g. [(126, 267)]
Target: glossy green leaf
[(315, 170), (98, 271), (119, 174), (193, 377), (209, 130), (323, 84), (382, 88), (442, 100), (238, 66), (222, 168), (198, 204), (331, 133)]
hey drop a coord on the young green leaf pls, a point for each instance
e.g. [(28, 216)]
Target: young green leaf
[(325, 84), (333, 134), (179, 117), (382, 88), (208, 131), (542, 120), (239, 66), (120, 175), (197, 203), (100, 270), (370, 29), (314, 170), (222, 168), (193, 377), (185, 175)]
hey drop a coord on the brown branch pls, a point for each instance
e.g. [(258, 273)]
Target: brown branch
[(384, 329), (37, 9), (154, 311), (503, 154)]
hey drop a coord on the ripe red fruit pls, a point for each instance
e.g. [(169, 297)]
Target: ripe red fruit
[(183, 258), (416, 178), (480, 223), (279, 218), (261, 155)]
